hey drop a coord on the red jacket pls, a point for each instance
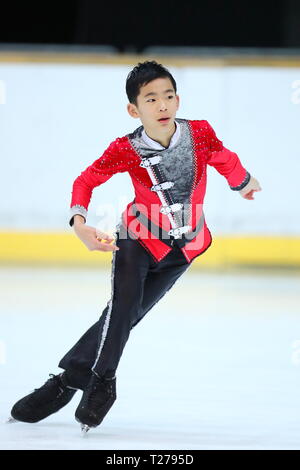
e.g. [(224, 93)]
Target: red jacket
[(120, 156)]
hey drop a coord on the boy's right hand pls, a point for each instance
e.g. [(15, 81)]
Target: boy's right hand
[(92, 237)]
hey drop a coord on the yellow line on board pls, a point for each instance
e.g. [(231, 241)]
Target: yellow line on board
[(66, 249)]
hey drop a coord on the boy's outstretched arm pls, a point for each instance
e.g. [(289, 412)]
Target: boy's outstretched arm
[(96, 174)]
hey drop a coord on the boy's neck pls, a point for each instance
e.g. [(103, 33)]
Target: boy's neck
[(163, 138)]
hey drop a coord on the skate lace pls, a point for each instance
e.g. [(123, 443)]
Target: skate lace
[(53, 378)]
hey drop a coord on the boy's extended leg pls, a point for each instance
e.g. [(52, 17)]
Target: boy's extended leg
[(150, 281), (131, 263)]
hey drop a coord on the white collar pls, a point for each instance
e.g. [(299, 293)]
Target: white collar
[(157, 146)]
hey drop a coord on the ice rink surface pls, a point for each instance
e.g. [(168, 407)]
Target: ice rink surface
[(214, 365)]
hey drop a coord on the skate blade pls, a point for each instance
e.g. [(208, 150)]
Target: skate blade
[(84, 429), (11, 420)]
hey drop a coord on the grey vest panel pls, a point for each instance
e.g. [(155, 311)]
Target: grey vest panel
[(176, 165)]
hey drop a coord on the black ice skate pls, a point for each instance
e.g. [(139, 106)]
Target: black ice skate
[(43, 401), (96, 401)]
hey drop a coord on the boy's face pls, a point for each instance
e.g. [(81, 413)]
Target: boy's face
[(157, 104)]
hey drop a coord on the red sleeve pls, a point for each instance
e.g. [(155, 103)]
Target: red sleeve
[(84, 184), (94, 175), (227, 163)]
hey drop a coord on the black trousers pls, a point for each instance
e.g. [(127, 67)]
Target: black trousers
[(138, 283)]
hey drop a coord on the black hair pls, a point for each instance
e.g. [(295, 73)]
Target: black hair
[(143, 73)]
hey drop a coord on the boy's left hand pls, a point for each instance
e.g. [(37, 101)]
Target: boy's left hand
[(250, 188)]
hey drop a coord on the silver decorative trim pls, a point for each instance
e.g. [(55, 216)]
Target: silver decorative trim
[(108, 315), (77, 210), (172, 208), (243, 184), (161, 195), (162, 186), (177, 232), (146, 162)]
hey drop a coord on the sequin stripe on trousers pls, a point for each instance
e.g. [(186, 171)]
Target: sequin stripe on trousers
[(108, 315)]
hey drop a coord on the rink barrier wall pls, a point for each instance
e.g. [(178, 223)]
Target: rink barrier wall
[(66, 249), (63, 248)]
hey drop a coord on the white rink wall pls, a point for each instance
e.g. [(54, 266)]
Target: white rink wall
[(55, 120)]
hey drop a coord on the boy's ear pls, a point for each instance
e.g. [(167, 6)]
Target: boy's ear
[(132, 110), (178, 101)]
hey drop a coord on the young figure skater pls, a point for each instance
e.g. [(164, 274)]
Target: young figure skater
[(159, 235)]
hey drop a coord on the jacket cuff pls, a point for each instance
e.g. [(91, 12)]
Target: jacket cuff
[(77, 210), (243, 184)]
